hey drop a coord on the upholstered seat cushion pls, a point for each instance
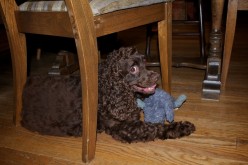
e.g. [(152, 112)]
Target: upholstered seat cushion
[(98, 6)]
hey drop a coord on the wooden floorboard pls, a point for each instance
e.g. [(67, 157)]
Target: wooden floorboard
[(221, 135)]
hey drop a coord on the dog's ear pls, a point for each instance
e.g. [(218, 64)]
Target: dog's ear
[(122, 67), (138, 56)]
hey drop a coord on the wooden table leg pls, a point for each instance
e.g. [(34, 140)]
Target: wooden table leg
[(211, 83)]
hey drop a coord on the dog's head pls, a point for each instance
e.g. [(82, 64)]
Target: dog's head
[(133, 70)]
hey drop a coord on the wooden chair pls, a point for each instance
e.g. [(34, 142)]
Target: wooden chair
[(233, 7), (81, 21)]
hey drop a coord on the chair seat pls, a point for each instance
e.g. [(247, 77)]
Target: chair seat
[(98, 6)]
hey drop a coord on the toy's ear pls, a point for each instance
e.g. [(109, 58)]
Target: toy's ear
[(179, 101), (140, 104)]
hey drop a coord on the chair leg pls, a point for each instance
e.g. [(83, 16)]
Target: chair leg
[(85, 38), (89, 78), (18, 50), (229, 37), (165, 47)]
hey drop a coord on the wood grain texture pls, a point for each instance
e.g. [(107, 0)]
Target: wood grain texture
[(233, 7), (242, 4), (130, 18), (165, 47), (229, 36), (17, 43), (27, 22), (217, 8)]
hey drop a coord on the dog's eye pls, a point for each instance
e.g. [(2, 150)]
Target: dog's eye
[(134, 69)]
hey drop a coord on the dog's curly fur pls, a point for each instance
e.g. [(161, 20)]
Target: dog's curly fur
[(52, 105), (121, 77)]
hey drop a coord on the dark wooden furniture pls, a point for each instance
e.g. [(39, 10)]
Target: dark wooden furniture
[(233, 7), (80, 24), (211, 84)]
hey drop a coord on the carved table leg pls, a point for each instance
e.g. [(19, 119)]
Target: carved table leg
[(211, 84)]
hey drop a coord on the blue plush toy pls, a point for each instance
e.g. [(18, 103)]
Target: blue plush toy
[(160, 106)]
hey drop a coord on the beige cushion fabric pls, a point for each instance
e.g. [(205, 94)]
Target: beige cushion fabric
[(106, 6), (98, 6), (43, 6)]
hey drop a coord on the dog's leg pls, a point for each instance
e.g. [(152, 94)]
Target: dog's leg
[(140, 131)]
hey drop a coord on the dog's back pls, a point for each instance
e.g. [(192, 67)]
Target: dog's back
[(52, 105)]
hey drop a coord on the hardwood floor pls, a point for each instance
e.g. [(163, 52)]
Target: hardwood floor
[(221, 135)]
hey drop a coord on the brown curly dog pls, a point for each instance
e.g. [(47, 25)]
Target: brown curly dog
[(122, 78)]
